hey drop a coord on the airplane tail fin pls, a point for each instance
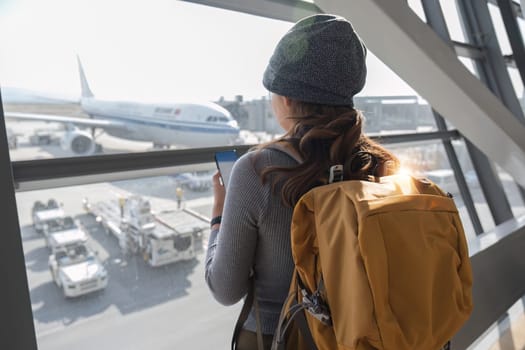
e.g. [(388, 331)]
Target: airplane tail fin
[(85, 90)]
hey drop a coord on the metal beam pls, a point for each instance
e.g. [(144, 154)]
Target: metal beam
[(494, 74), (436, 20), (508, 13), (468, 50), (480, 31), (17, 330), (412, 50), (58, 172), (285, 10), (498, 268), (515, 4)]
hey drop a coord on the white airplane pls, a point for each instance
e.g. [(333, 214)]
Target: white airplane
[(185, 124)]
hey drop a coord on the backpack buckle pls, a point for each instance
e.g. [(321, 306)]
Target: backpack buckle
[(315, 305), (336, 173)]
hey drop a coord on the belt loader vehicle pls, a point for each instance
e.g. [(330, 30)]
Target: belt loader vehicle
[(159, 238), (64, 233), (43, 213)]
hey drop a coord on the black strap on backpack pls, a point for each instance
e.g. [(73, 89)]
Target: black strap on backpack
[(311, 302), (249, 301)]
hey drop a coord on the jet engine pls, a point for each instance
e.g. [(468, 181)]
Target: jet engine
[(79, 142)]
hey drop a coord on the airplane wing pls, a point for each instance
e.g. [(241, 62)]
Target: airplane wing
[(82, 122)]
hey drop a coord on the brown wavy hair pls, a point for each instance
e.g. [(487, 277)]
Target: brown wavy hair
[(324, 136)]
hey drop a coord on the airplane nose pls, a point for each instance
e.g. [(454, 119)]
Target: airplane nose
[(233, 124)]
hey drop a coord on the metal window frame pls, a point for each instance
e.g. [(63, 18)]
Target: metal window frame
[(436, 20), (493, 73), (509, 15), (16, 317), (60, 172)]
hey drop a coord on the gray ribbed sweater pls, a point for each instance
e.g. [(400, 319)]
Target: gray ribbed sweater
[(254, 233)]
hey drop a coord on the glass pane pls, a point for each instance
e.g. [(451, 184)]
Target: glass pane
[(480, 203), (143, 252), (499, 27), (517, 86), (521, 23), (181, 52), (389, 104), (429, 159), (517, 83), (513, 191), (415, 5), (452, 18), (396, 114), (160, 76), (470, 64)]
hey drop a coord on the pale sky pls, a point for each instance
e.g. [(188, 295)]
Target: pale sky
[(147, 50)]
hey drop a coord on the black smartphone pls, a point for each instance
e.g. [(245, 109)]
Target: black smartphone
[(224, 161)]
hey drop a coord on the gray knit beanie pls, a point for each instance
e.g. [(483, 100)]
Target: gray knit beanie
[(321, 59)]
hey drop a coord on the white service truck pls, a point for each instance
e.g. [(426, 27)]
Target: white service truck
[(42, 214), (160, 239), (64, 233), (77, 271)]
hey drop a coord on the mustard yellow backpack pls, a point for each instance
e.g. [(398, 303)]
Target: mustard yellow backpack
[(378, 265)]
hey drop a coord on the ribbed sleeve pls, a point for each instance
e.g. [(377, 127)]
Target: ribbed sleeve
[(254, 235)]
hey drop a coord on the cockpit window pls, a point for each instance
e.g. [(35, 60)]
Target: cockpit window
[(163, 110), (216, 119)]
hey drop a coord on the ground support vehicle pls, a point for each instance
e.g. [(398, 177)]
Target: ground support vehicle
[(77, 271), (42, 214), (160, 239), (63, 234)]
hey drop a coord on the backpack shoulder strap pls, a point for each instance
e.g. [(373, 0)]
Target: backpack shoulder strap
[(249, 301), (286, 148)]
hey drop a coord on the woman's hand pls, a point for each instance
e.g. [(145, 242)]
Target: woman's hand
[(219, 193)]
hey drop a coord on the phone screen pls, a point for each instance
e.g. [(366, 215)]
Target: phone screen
[(224, 161)]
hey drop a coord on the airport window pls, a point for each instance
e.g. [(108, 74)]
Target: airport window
[(134, 296), (85, 121), (470, 64), (453, 20), (499, 27), (514, 194), (416, 6), (518, 85), (480, 202), (428, 159), (132, 260), (521, 23)]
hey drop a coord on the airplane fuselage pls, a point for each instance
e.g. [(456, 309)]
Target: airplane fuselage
[(188, 124)]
